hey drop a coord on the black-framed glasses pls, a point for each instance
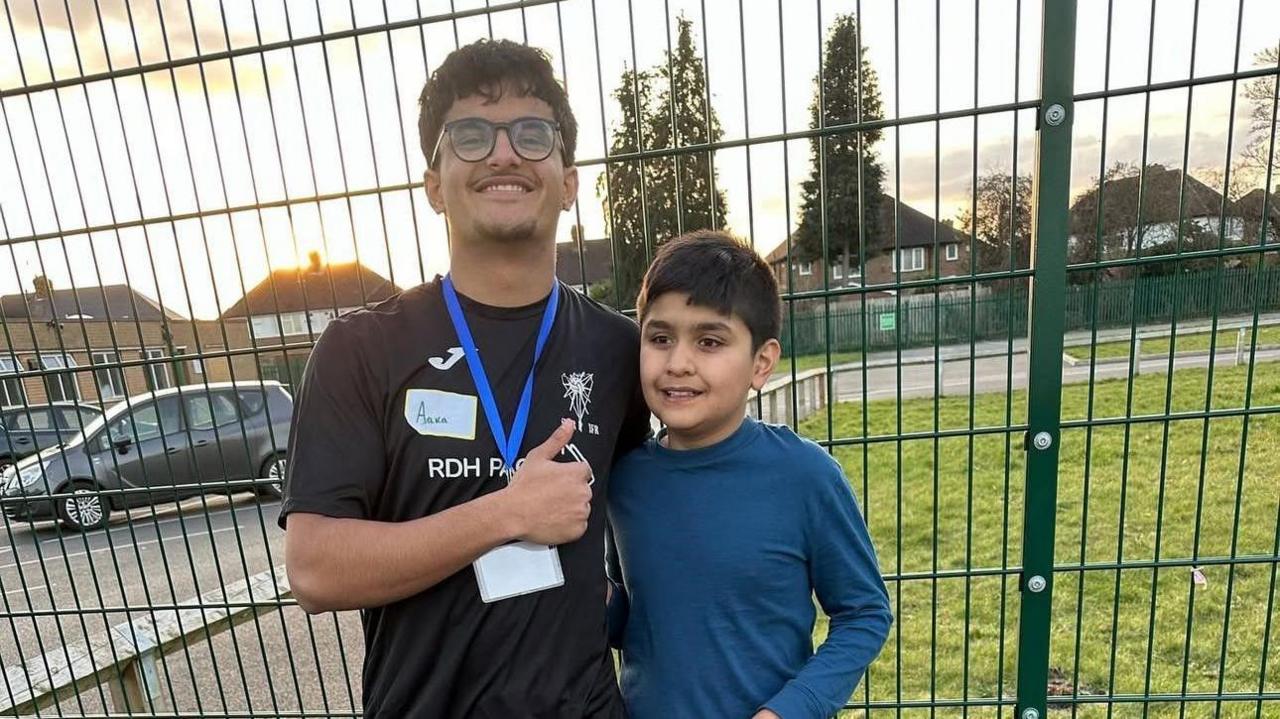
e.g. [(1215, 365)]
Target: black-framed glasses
[(473, 138)]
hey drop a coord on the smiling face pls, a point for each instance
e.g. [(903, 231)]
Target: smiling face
[(502, 198), (696, 368)]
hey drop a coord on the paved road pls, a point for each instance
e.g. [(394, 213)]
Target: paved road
[(998, 374), (171, 557)]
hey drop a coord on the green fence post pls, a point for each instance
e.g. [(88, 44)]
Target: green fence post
[(1047, 325)]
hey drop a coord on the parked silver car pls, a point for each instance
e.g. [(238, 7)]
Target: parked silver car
[(156, 447), (27, 430)]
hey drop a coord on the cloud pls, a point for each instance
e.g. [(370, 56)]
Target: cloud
[(128, 32)]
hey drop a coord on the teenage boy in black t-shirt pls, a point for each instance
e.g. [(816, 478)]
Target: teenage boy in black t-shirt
[(477, 562)]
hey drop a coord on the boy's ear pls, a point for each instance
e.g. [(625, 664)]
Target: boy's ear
[(766, 359)]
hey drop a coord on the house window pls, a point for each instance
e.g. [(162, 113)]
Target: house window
[(265, 326), (909, 259), (11, 390), (110, 380), (321, 319), (61, 386), (837, 270), (953, 251), (806, 268), (293, 323), (157, 372)]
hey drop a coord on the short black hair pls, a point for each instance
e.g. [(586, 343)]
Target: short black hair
[(720, 272), (488, 68)]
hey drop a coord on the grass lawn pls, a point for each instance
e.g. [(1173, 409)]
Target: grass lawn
[(1267, 336), (956, 503)]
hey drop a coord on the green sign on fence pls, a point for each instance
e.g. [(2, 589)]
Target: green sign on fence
[(888, 321)]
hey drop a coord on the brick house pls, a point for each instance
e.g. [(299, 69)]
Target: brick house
[(60, 336), (1249, 211), (1158, 197), (293, 306), (919, 239)]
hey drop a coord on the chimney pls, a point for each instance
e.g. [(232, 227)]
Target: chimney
[(314, 258), (42, 286)]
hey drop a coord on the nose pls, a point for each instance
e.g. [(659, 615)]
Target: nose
[(503, 155), (680, 360)]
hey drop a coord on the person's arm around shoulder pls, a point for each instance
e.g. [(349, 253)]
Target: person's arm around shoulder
[(846, 580), (337, 563), (636, 430)]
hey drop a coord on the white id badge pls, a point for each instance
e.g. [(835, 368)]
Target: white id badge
[(517, 568)]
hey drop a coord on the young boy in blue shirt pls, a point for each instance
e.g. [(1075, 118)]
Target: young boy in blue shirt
[(725, 527)]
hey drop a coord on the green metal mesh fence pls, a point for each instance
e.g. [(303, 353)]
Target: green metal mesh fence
[(1027, 249)]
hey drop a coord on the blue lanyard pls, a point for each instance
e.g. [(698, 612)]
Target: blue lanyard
[(508, 442)]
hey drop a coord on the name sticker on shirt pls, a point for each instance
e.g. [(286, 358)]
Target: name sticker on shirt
[(438, 413)]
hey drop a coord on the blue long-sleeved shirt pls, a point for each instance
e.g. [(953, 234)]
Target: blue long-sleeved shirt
[(721, 550)]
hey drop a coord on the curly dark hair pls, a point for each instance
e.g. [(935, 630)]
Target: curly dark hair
[(488, 68)]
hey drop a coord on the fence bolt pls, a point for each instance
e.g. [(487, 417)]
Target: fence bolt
[(1055, 114), (1030, 713), (1037, 584), (1042, 440)]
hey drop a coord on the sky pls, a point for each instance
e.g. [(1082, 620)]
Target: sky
[(340, 116)]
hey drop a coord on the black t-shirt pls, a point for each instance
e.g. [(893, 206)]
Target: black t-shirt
[(364, 445)]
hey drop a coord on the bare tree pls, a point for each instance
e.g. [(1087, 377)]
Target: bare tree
[(999, 221), (1240, 183), (1262, 151)]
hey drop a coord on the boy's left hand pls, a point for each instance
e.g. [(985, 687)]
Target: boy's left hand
[(765, 714)]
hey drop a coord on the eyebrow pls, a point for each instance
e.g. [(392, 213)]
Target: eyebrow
[(700, 327)]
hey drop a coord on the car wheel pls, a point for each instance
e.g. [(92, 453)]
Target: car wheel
[(85, 509), (273, 469)]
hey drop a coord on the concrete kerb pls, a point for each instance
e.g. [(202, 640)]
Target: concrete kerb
[(1076, 362), (1146, 334)]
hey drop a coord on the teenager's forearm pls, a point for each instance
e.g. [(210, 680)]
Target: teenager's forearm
[(336, 564)]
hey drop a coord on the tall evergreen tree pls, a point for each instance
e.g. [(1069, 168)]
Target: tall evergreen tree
[(837, 158), (624, 188), (664, 107)]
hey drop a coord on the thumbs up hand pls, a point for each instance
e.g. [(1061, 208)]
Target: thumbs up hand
[(550, 501)]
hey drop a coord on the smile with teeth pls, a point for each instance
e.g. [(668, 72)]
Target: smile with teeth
[(504, 188), (680, 393)]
